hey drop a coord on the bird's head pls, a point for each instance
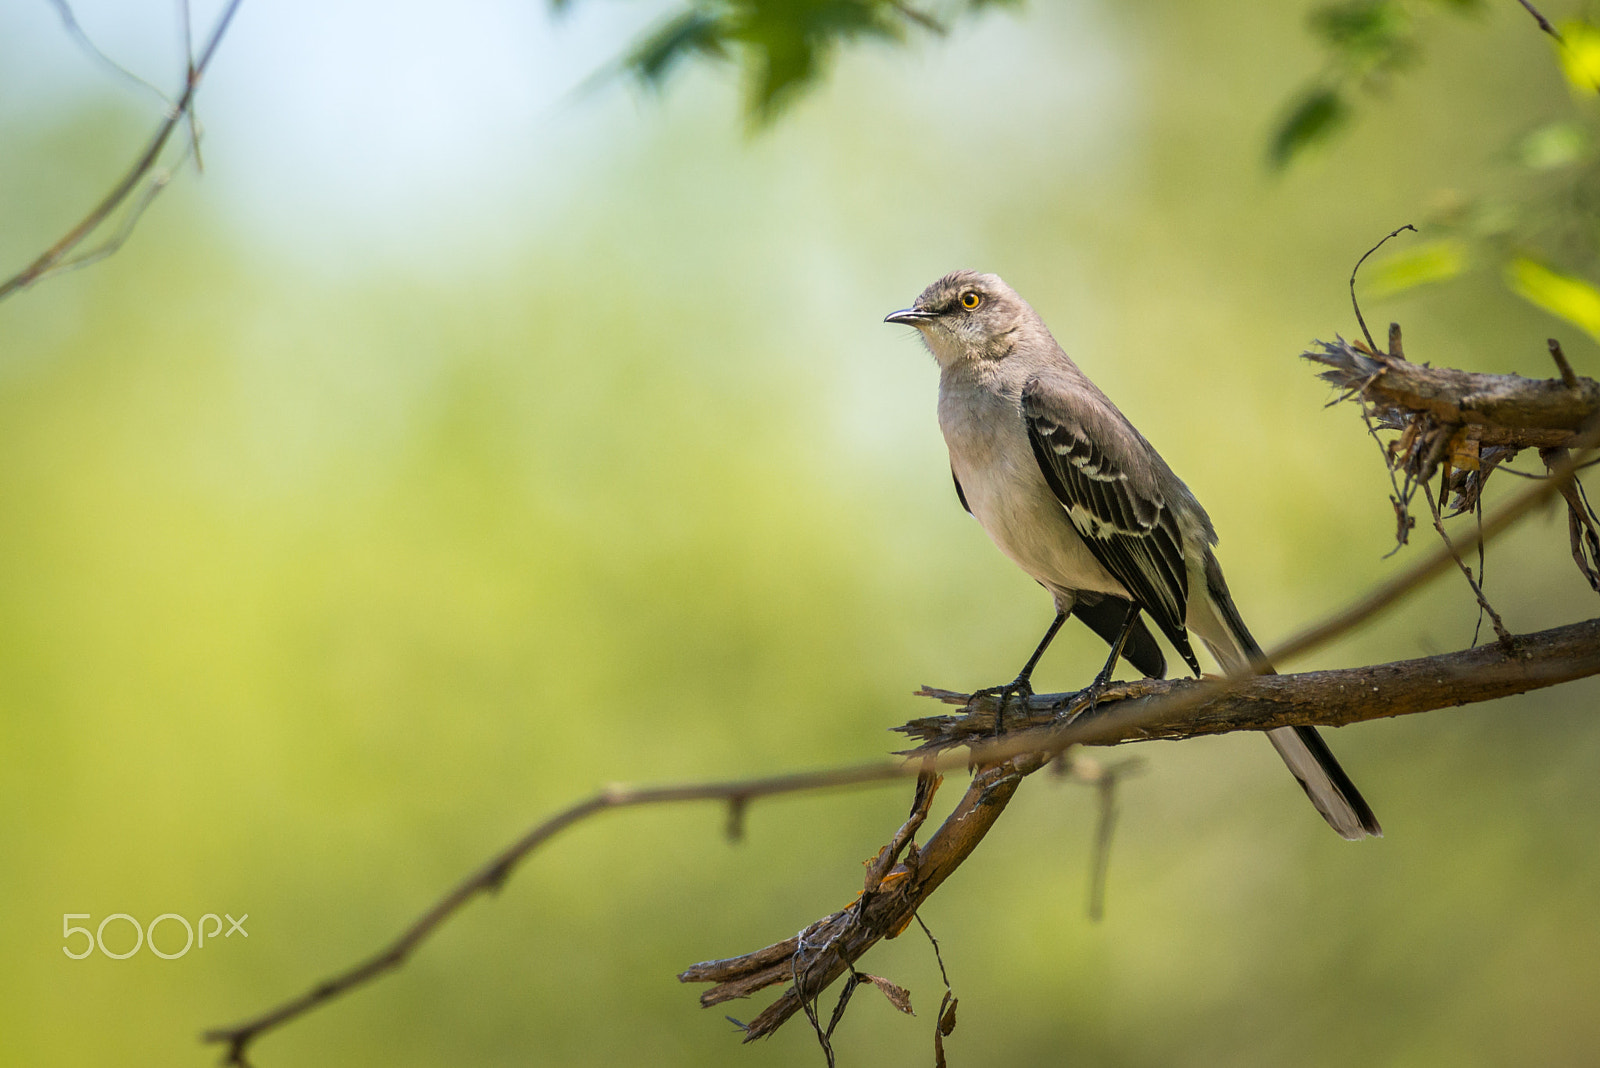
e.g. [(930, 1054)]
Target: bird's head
[(968, 316)]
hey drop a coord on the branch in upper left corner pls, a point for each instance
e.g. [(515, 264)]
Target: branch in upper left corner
[(60, 256)]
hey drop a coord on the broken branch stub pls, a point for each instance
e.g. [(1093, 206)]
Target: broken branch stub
[(1465, 424)]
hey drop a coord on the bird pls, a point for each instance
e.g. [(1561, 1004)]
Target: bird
[(1075, 496)]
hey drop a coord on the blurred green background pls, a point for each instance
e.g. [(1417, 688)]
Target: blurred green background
[(463, 441)]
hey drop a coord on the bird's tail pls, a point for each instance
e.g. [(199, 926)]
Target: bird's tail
[(1302, 748)]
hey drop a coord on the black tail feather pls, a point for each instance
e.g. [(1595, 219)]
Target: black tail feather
[(1217, 588), (1106, 616)]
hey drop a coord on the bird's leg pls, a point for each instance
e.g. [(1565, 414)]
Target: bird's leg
[(1021, 685), (1102, 680)]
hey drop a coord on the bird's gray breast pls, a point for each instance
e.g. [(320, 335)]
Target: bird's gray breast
[(980, 414)]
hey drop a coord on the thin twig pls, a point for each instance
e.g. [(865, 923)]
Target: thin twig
[(130, 220), (76, 31), (926, 21), (492, 875), (52, 258), (1568, 377), (824, 1038), (1477, 590), (1544, 23), (1427, 568), (945, 1021), (1372, 345), (1398, 500), (1537, 477), (1477, 514), (937, 956), (1105, 782), (188, 76)]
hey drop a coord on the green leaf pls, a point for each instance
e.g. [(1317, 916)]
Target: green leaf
[(781, 46), (789, 41), (693, 32), (1573, 299), (1580, 56), (1316, 118), (1431, 261), (1366, 33)]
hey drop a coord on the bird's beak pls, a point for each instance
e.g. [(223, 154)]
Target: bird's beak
[(910, 317)]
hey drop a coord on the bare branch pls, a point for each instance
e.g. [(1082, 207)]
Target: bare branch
[(1568, 376), (54, 258), (1544, 23), (825, 950), (1104, 778), (492, 875), (1354, 303), (1471, 424), (1147, 709), (188, 76), (921, 18), (76, 32), (1477, 589), (1131, 712), (1495, 409)]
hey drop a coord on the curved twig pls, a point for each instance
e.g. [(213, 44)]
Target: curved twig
[(52, 259)]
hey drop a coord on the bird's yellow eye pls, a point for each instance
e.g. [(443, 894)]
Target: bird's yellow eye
[(970, 301)]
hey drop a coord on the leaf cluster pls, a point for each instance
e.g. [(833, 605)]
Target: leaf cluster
[(1541, 235), (1366, 42), (782, 47)]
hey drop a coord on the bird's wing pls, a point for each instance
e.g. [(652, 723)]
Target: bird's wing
[(960, 493), (1098, 469), (1105, 617)]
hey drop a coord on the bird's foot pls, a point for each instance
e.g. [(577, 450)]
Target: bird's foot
[(1017, 687), (1088, 698)]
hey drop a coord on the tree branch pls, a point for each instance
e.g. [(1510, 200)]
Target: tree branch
[(1142, 710), (1137, 711), (1469, 424), (492, 875), (1495, 409), (1544, 23), (52, 259), (823, 951)]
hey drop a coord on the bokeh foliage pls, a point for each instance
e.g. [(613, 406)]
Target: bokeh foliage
[(781, 46), (317, 587)]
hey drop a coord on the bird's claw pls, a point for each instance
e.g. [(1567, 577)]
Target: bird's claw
[(1019, 687)]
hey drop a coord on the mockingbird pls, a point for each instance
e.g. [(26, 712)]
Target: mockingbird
[(1077, 498)]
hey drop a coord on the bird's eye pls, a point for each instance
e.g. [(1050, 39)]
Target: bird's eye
[(970, 301)]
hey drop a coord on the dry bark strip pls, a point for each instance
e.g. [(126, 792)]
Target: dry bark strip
[(1497, 409), (1463, 425), (826, 949)]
